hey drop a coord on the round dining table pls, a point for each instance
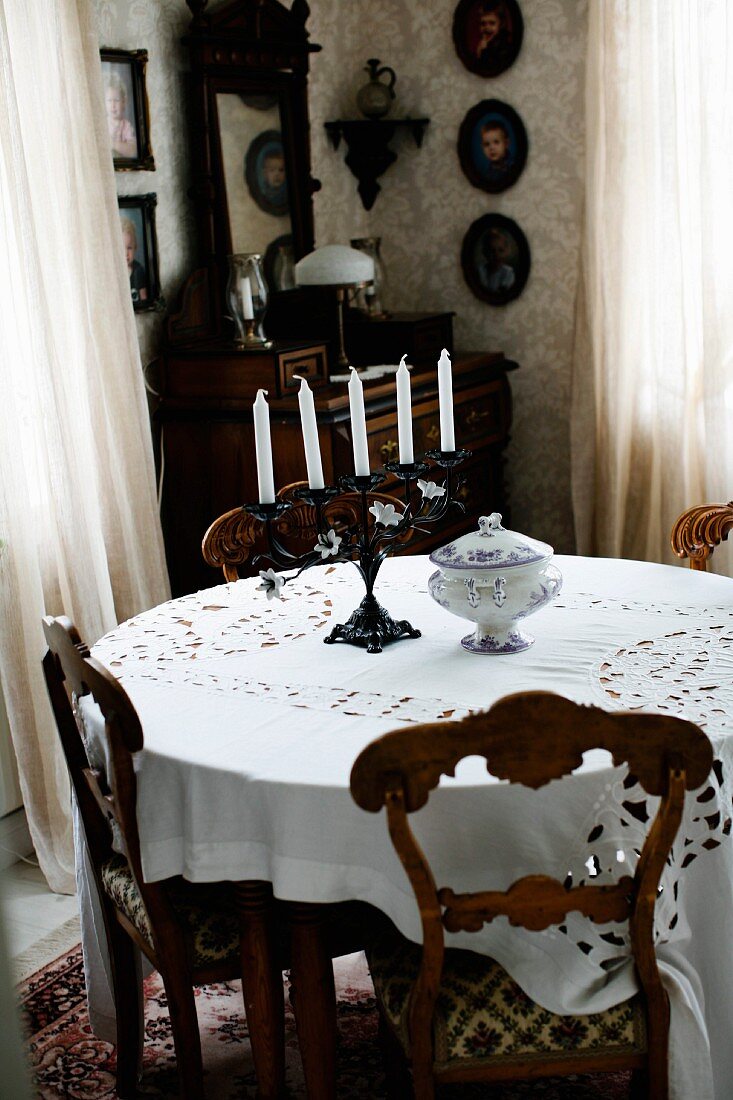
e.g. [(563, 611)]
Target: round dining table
[(252, 725)]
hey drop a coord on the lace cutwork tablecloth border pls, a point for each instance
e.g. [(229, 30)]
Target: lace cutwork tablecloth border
[(364, 704), (687, 673)]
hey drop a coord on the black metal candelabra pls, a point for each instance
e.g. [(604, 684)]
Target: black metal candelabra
[(370, 625)]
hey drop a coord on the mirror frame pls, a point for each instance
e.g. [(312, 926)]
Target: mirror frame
[(247, 47)]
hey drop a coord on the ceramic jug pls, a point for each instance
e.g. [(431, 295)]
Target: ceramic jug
[(375, 98)]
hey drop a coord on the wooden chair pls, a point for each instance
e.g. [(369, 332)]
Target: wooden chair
[(699, 530), (189, 933), (192, 934), (235, 537), (431, 999)]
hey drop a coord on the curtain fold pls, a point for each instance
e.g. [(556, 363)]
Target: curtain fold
[(652, 408), (78, 514)]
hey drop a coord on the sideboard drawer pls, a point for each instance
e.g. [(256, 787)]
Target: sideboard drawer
[(478, 418), (478, 415)]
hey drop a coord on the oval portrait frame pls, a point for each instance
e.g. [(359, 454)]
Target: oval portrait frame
[(503, 55), (252, 158), (493, 182), (477, 280)]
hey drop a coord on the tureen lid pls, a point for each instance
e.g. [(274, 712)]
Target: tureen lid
[(491, 547)]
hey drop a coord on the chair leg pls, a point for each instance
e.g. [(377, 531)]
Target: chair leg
[(185, 1027), (639, 1085), (657, 1063), (423, 1082), (262, 986), (128, 1009), (313, 1000), (397, 1072), (658, 1075)]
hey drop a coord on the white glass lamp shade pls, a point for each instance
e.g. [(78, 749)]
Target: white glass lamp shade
[(334, 265)]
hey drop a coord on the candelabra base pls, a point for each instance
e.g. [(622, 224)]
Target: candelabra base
[(371, 627)]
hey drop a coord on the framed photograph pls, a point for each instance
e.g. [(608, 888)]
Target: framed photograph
[(495, 259), (126, 108), (492, 146), (264, 173), (488, 34), (140, 246)]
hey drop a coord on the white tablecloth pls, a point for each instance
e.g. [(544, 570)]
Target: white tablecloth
[(252, 725)]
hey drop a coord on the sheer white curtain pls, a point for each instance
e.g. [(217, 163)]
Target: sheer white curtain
[(78, 515), (653, 373)]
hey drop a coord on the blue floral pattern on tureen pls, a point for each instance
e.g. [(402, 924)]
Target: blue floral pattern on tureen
[(451, 556), (492, 547)]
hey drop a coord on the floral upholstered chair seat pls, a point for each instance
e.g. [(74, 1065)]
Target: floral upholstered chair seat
[(207, 912), (483, 1015)]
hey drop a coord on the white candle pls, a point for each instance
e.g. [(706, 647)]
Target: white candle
[(445, 396), (310, 435), (263, 447), (404, 413), (358, 425), (246, 291)]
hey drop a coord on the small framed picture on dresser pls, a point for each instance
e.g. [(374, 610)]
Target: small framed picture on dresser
[(126, 109), (140, 247)]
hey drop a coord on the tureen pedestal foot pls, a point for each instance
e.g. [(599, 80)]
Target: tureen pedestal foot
[(512, 640), (371, 627)]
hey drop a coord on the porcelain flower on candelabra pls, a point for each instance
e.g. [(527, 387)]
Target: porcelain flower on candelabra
[(272, 582), (328, 544), (384, 514), (429, 489)]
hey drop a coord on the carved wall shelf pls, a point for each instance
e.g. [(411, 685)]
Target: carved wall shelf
[(369, 154)]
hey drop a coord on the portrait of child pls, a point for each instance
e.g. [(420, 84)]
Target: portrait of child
[(495, 259), (273, 173), (135, 269), (488, 34), (496, 147), (118, 101), (140, 249), (126, 109), (492, 145), (498, 257), (265, 173)]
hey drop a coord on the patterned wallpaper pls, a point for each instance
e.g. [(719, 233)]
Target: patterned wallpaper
[(426, 203)]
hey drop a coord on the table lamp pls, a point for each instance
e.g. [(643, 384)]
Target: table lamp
[(339, 268)]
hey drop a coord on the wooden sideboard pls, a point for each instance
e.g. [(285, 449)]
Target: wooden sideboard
[(207, 442)]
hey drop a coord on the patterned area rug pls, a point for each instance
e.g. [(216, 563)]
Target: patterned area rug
[(69, 1062)]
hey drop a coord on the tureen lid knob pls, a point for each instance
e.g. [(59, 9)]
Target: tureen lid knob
[(489, 524)]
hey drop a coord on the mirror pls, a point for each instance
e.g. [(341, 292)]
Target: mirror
[(256, 182), (250, 150)]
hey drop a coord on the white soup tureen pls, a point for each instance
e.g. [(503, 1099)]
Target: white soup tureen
[(494, 578)]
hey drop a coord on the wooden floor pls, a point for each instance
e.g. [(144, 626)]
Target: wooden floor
[(38, 925)]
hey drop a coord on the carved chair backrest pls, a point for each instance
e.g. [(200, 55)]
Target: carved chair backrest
[(236, 537), (107, 802), (531, 738), (699, 530)]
